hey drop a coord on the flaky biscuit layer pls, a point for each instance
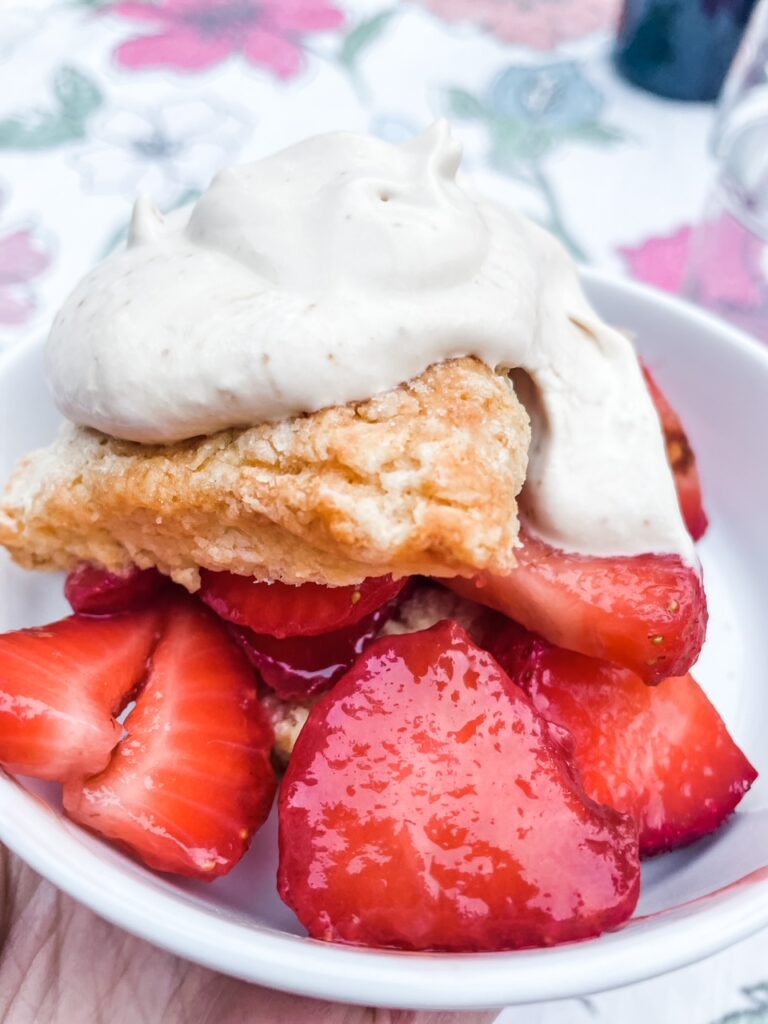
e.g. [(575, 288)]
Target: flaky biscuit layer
[(421, 479)]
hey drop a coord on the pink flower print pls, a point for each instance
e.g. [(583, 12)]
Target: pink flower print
[(725, 263), (660, 261), (721, 257), (21, 260), (541, 24), (192, 35)]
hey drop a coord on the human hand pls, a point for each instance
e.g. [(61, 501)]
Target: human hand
[(61, 964)]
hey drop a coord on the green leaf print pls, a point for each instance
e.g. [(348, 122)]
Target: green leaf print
[(361, 37), (464, 106), (756, 1013), (512, 142), (75, 98), (602, 134), (76, 93)]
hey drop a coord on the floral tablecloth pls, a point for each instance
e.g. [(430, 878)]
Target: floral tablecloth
[(99, 100)]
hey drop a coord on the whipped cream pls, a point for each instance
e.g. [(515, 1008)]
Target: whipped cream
[(338, 269)]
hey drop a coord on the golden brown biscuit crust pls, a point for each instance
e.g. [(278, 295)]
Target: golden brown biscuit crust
[(421, 479)]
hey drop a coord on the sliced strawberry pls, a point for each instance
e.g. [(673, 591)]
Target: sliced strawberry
[(648, 613), (427, 805), (188, 787), (62, 685), (681, 459), (95, 591), (282, 610), (662, 753), (302, 666)]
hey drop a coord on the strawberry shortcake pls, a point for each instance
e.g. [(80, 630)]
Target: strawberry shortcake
[(360, 500)]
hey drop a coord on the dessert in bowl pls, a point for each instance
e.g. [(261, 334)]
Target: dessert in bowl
[(291, 447)]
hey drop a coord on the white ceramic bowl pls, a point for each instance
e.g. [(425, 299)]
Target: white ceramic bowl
[(694, 902)]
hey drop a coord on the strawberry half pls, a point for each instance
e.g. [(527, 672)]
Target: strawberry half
[(648, 612), (282, 610), (191, 783), (681, 460), (300, 667), (62, 685), (92, 590), (427, 805), (662, 753)]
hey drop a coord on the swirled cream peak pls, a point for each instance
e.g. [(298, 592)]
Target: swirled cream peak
[(338, 269)]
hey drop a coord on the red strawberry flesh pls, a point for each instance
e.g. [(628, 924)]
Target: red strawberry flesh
[(61, 686), (300, 667), (282, 610), (95, 591), (427, 805), (192, 781), (662, 754), (681, 460), (647, 612)]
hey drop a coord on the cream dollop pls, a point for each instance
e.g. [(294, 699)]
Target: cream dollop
[(336, 270)]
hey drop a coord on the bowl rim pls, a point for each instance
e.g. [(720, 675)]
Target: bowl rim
[(133, 900)]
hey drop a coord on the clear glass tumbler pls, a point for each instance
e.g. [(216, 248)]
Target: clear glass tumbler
[(727, 268)]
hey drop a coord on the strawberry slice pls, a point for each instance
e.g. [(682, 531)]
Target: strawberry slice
[(283, 610), (191, 783), (62, 685), (300, 667), (427, 805), (662, 753), (681, 459), (648, 612), (92, 590)]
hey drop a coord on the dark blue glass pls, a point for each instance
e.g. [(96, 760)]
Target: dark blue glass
[(680, 48)]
